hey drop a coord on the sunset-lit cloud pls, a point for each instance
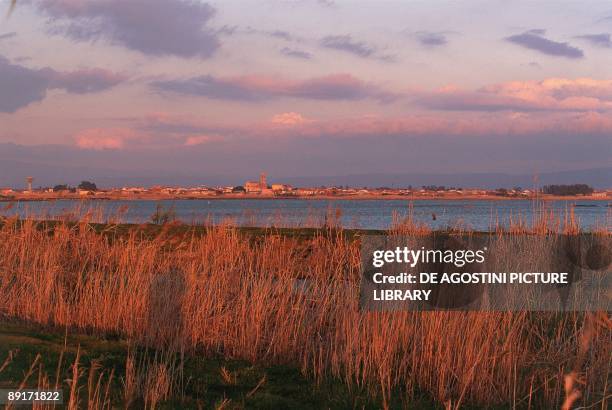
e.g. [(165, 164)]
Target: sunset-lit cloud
[(289, 118), (104, 139), (199, 140), (293, 125), (492, 125), (267, 87), (554, 94), (184, 78), (173, 126)]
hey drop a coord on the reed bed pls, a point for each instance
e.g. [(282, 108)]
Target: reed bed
[(283, 300)]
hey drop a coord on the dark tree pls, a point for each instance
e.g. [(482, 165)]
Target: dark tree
[(501, 192), (575, 189), (59, 188), (88, 186)]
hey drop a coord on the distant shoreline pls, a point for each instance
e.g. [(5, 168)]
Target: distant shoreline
[(101, 197)]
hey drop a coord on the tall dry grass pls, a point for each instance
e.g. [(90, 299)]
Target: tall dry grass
[(277, 299), (146, 382)]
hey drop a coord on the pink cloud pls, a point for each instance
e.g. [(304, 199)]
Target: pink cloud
[(460, 124), (489, 124), (102, 139), (553, 94), (255, 88), (513, 108), (199, 140), (289, 118)]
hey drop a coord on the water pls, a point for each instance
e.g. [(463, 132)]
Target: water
[(365, 214)]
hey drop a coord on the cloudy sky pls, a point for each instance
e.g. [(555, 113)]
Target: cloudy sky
[(308, 87)]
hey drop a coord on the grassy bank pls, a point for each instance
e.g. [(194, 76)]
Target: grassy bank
[(229, 293), (122, 374)]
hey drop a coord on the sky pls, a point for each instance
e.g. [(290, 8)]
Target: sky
[(306, 87)]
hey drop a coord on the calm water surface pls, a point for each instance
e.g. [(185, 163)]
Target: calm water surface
[(366, 214)]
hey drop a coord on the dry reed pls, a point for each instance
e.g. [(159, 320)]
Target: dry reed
[(223, 292)]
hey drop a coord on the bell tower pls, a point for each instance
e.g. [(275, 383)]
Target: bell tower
[(29, 181)]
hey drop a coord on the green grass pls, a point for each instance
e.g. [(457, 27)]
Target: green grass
[(150, 230), (180, 230), (283, 387)]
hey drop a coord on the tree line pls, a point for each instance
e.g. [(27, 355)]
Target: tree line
[(574, 189), (84, 186)]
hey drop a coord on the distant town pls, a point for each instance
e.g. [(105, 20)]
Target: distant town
[(260, 188)]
